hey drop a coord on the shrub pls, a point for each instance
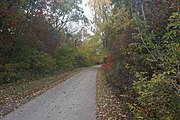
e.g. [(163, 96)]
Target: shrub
[(28, 63), (158, 97), (65, 56), (42, 63), (9, 73), (81, 61)]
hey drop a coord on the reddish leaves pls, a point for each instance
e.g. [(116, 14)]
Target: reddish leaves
[(106, 66)]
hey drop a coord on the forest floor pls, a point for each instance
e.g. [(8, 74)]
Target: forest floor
[(109, 106), (14, 95)]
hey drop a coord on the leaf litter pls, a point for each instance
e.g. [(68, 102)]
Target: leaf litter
[(109, 106), (15, 94)]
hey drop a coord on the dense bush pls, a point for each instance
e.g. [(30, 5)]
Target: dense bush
[(32, 40), (65, 57), (28, 62), (9, 73), (42, 63), (81, 61), (157, 87), (145, 69), (157, 96)]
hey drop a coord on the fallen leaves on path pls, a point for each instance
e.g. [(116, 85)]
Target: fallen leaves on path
[(109, 106), (16, 94)]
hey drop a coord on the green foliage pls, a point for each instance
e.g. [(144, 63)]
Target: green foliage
[(173, 27), (31, 59), (34, 38), (89, 53), (65, 56), (81, 61), (157, 89), (158, 96), (26, 63), (42, 63), (9, 73), (119, 77), (145, 59)]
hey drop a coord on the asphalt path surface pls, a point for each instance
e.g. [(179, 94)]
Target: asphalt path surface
[(74, 99)]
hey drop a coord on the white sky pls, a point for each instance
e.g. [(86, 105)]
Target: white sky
[(88, 14), (87, 10)]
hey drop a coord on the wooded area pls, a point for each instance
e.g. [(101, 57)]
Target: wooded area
[(37, 38), (139, 41), (142, 39)]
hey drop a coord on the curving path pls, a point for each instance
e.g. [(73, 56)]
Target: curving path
[(73, 99)]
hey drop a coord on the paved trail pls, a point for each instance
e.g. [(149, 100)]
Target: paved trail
[(73, 99)]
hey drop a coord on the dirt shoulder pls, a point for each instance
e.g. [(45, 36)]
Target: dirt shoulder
[(14, 95), (109, 106)]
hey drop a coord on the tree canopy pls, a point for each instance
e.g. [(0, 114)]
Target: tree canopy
[(37, 38)]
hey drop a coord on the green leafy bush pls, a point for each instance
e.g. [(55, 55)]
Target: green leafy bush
[(65, 57), (158, 96), (81, 61), (29, 62), (42, 63), (148, 70), (9, 73)]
